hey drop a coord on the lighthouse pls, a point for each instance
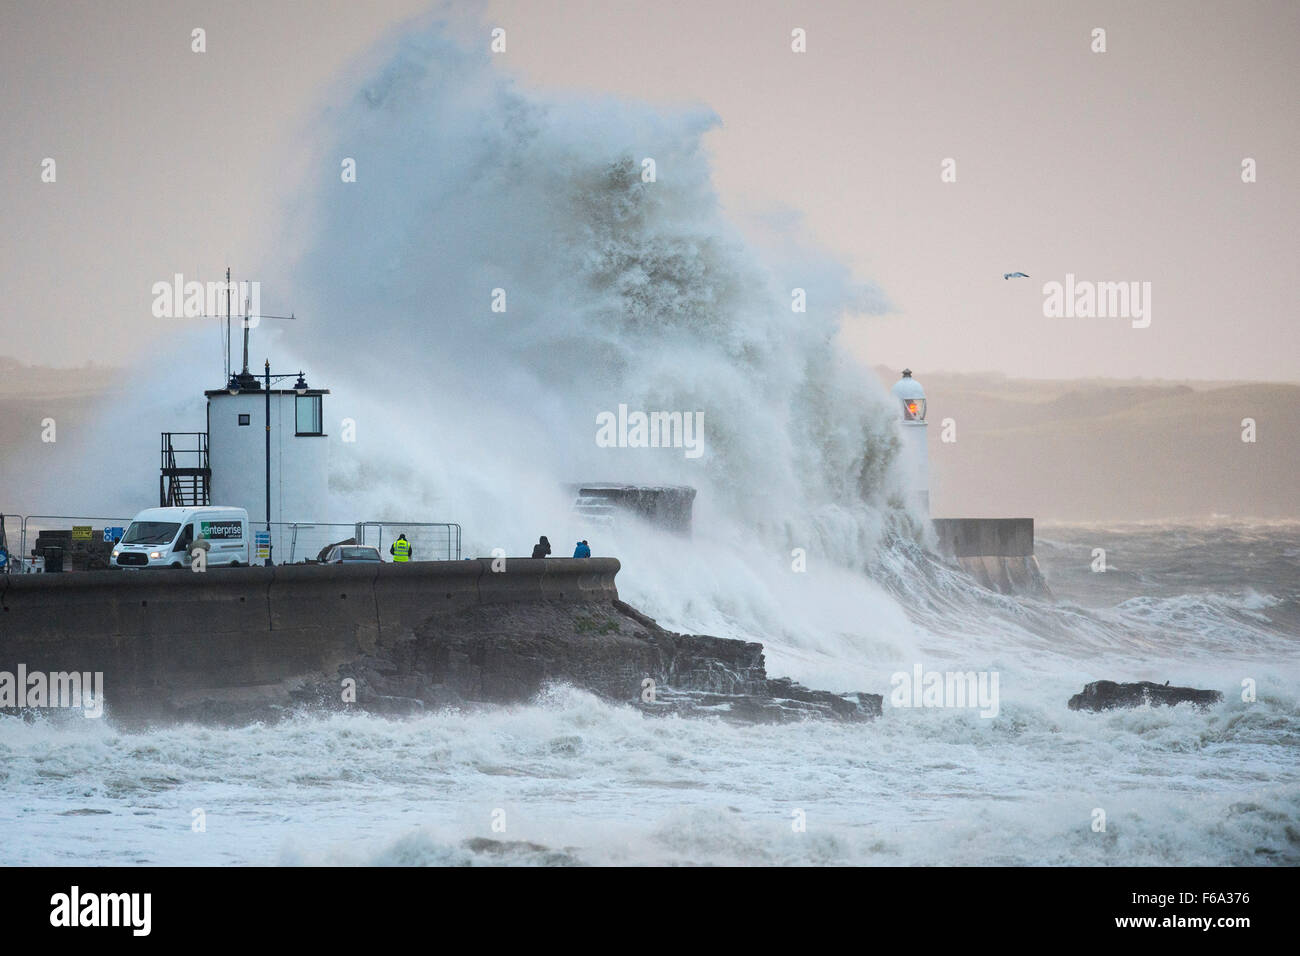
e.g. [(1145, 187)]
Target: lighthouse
[(997, 552), (915, 456)]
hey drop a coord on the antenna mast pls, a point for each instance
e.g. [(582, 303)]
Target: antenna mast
[(244, 379), (245, 323), (227, 377)]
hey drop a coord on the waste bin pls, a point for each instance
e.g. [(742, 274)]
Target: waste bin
[(53, 560)]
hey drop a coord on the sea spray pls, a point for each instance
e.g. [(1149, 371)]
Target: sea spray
[(501, 275)]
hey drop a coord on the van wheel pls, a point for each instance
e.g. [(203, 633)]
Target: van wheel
[(176, 567), (234, 564)]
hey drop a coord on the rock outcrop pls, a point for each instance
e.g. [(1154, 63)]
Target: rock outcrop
[(507, 655), (1106, 694)]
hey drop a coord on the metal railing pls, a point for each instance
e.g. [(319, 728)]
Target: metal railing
[(196, 451), (11, 537), (186, 471), (33, 526), (292, 542), (430, 541)]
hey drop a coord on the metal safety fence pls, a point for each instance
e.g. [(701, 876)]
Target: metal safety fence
[(11, 543), (84, 543), (430, 541), (293, 542)]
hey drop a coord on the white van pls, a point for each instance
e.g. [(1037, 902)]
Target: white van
[(164, 537)]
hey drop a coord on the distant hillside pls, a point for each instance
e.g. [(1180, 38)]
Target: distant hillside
[(1065, 451), (1110, 450), (32, 381)]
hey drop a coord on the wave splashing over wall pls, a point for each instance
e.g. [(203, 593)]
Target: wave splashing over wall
[(613, 291)]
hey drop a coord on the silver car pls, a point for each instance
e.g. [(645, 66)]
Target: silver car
[(352, 554)]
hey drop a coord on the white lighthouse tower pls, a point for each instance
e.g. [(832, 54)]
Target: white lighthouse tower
[(911, 425)]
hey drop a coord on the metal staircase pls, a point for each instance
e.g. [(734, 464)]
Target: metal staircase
[(186, 479)]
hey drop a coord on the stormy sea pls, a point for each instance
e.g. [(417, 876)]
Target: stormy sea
[(500, 274), (572, 779)]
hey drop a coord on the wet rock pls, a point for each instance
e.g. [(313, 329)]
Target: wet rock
[(1107, 694), (520, 851), (775, 707), (511, 654)]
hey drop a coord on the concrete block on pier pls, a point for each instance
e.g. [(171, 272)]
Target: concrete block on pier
[(997, 552)]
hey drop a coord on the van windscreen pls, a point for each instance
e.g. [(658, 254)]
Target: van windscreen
[(150, 532)]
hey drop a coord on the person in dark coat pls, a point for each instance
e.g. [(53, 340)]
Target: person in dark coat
[(583, 550), (542, 548)]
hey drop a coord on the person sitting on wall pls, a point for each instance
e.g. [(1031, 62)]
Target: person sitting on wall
[(542, 548), (583, 550), (401, 549)]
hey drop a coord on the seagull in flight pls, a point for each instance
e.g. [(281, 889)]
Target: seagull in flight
[(1015, 275)]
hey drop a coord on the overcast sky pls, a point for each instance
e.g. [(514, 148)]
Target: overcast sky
[(1115, 166)]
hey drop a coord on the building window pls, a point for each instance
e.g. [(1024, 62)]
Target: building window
[(245, 419), (309, 415)]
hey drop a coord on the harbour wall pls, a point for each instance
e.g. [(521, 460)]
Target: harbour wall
[(164, 637)]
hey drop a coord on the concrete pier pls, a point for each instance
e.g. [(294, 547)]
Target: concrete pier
[(666, 506), (996, 552)]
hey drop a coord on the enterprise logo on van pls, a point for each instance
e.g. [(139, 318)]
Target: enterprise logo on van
[(219, 530)]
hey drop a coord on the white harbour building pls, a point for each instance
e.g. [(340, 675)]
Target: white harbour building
[(265, 450)]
